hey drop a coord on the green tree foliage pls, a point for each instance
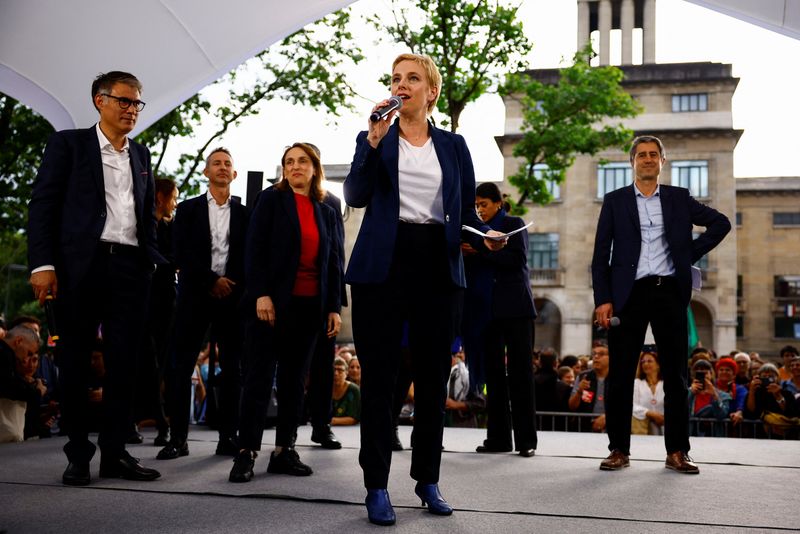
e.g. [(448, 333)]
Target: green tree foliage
[(473, 44), (23, 136), (308, 67), (574, 116)]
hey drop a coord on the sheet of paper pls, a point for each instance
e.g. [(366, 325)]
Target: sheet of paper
[(495, 238)]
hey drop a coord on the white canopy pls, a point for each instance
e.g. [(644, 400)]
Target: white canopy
[(51, 50), (781, 16)]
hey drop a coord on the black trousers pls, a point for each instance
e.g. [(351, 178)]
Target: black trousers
[(193, 317), (290, 345), (419, 290), (655, 301), (509, 377), (112, 297), (320, 381), (150, 400)]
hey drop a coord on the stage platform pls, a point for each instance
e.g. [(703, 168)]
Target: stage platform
[(744, 486)]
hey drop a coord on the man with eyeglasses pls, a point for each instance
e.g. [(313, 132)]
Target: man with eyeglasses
[(92, 247)]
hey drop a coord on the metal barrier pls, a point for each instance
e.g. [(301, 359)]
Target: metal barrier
[(747, 428)]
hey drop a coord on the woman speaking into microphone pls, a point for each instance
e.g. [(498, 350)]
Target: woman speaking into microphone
[(417, 184)]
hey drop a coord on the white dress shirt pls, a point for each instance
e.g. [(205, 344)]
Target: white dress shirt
[(219, 222), (120, 226), (419, 180)]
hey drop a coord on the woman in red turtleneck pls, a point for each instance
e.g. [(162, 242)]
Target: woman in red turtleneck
[(292, 284)]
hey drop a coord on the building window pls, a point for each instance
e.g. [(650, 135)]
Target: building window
[(787, 286), (612, 176), (690, 102), (787, 309), (739, 326), (693, 175), (738, 218), (540, 172), (543, 251), (702, 263), (786, 219), (787, 327)]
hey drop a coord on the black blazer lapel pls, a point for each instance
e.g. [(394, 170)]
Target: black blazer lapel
[(93, 148), (447, 158), (140, 177), (390, 153), (666, 206), (629, 197), (287, 200)]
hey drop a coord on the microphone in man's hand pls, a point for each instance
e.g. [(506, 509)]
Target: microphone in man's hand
[(614, 321), (395, 102), (50, 313)]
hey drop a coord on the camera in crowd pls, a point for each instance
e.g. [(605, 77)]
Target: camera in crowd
[(766, 381)]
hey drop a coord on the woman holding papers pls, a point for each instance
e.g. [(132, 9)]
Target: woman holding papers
[(507, 337), (417, 185)]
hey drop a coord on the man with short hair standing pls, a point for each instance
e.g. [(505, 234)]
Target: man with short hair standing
[(647, 280), (92, 245), (209, 235)]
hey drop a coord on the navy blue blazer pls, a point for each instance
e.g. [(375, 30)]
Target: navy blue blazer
[(613, 275), (272, 252), (373, 183), (192, 245), (511, 287), (67, 211)]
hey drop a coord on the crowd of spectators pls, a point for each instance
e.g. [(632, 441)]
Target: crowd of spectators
[(738, 394)]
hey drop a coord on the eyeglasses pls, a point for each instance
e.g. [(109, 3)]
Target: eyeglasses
[(125, 103)]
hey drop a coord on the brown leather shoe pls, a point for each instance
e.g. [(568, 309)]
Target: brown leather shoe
[(616, 460), (680, 462)]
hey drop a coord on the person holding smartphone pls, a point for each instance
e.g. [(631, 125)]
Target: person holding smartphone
[(706, 401)]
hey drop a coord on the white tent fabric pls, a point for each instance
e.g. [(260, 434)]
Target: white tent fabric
[(51, 50), (781, 16)]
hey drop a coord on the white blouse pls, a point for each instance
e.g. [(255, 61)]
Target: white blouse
[(419, 179), (645, 400)]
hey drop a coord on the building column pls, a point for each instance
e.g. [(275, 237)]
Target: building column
[(626, 25), (583, 23), (649, 32), (604, 27)]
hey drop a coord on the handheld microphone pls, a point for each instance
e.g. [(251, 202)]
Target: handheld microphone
[(50, 313), (395, 102), (614, 321)]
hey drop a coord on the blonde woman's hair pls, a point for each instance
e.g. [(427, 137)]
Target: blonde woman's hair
[(427, 64)]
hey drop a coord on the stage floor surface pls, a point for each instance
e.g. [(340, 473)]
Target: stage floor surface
[(744, 486)]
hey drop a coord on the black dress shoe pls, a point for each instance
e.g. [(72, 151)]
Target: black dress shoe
[(242, 470), (288, 463), (76, 474), (227, 447), (127, 467), (326, 438), (135, 438), (489, 447), (397, 445), (527, 453), (162, 439), (172, 451)]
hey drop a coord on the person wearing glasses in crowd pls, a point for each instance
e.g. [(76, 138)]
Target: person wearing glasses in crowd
[(417, 184), (92, 245)]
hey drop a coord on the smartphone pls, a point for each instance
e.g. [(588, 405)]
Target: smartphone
[(700, 376)]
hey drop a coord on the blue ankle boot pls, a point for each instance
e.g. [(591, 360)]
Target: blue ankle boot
[(430, 496), (379, 508)]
